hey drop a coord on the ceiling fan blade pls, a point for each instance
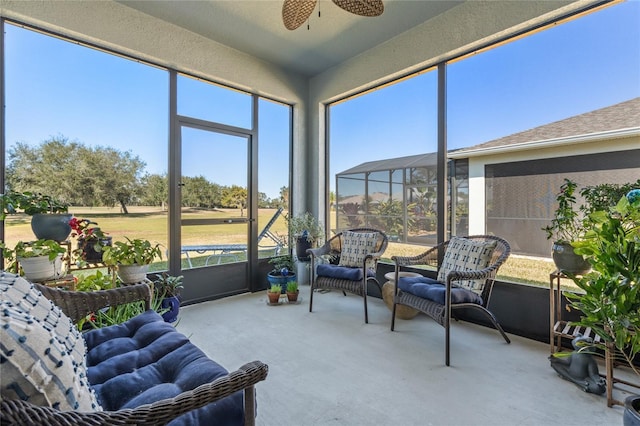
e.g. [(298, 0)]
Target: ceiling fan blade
[(362, 7), (296, 12)]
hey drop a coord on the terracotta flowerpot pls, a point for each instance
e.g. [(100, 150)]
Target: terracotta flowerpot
[(293, 297), (274, 298)]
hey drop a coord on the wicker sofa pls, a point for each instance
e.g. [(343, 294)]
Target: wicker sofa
[(143, 372)]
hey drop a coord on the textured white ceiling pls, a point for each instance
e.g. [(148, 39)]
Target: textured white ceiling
[(255, 27)]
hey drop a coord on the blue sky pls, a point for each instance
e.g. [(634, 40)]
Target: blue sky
[(58, 88), (582, 65)]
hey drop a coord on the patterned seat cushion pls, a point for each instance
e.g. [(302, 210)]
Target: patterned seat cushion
[(428, 288), (145, 360)]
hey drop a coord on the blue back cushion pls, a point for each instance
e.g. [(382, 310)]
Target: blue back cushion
[(145, 360), (431, 289)]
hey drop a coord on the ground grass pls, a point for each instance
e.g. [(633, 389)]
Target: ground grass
[(151, 223)]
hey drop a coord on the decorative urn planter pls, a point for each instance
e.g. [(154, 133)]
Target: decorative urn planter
[(171, 303), (51, 226), (566, 260), (131, 274)]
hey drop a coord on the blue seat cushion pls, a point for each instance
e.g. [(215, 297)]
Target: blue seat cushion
[(145, 360), (342, 272), (433, 290)]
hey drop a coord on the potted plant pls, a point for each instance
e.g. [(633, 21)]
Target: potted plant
[(282, 271), (610, 304), (566, 227), (307, 232), (50, 217), (274, 293), (131, 258), (167, 288), (292, 291), (40, 260), (90, 241)]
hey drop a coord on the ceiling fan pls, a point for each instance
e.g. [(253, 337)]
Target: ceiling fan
[(296, 12)]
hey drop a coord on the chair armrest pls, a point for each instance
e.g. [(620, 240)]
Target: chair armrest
[(78, 304), (320, 251), (161, 412), (429, 257)]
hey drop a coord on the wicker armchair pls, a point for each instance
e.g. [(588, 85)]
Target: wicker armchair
[(441, 310), (355, 278), (79, 304)]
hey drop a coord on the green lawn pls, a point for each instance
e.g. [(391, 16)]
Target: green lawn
[(151, 223)]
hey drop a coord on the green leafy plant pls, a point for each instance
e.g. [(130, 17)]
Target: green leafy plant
[(567, 224), (292, 286), (165, 285), (610, 304), (275, 288), (30, 203), (131, 252), (94, 282), (282, 262), (305, 225)]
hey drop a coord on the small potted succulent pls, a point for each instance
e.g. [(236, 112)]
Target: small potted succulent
[(40, 260), (131, 258), (292, 291), (167, 288), (50, 217), (274, 293)]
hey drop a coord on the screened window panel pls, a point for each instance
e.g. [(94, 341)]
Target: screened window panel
[(520, 203)]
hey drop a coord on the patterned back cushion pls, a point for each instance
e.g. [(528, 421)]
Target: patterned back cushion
[(356, 246), (42, 351), (466, 255)]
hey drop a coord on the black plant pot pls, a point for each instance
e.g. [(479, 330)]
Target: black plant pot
[(51, 226), (89, 252), (566, 260), (631, 416), (301, 249)]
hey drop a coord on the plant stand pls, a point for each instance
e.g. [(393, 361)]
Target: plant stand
[(560, 328)]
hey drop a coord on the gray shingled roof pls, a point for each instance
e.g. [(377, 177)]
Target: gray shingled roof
[(624, 115)]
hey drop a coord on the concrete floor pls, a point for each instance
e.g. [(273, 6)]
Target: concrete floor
[(330, 368)]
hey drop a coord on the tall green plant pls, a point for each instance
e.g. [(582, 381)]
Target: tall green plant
[(610, 304), (566, 225)]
